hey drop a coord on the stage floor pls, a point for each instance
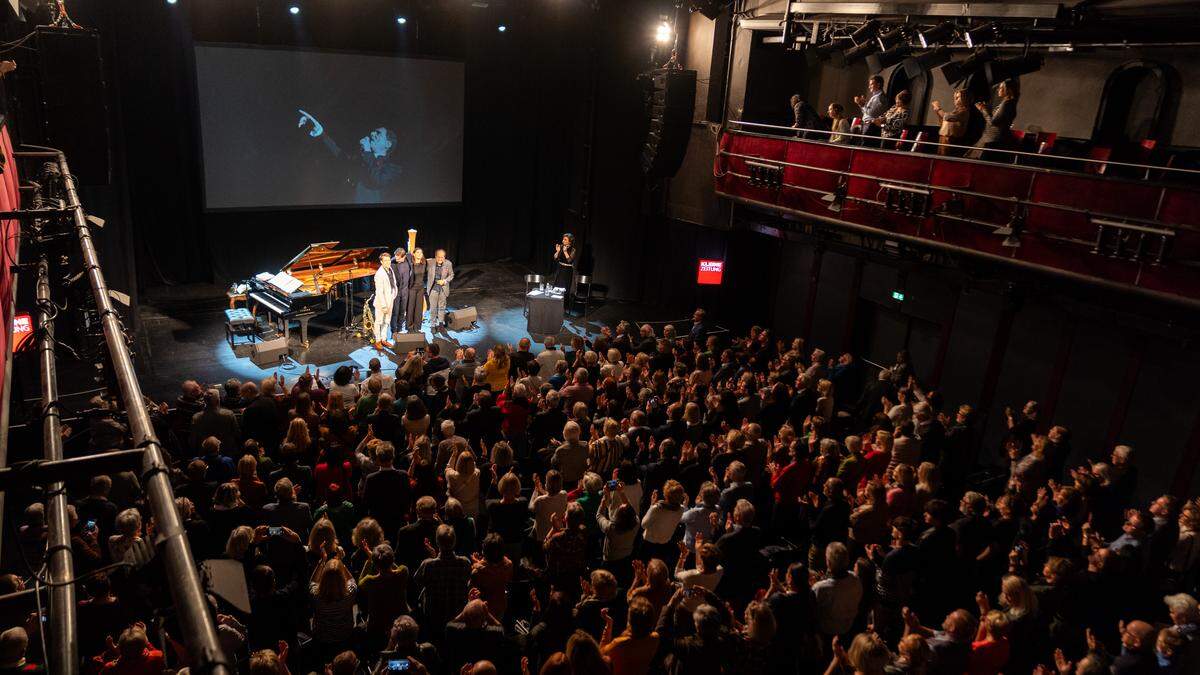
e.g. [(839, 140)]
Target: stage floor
[(182, 332)]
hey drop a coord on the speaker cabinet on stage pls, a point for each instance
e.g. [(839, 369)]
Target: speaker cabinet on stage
[(407, 342), (459, 319), (670, 96), (267, 354), (61, 102)]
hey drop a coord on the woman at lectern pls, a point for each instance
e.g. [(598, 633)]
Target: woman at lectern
[(564, 262)]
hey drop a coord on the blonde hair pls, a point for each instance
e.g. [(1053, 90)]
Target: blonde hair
[(331, 585), (247, 466), (571, 431), (239, 542), (322, 533), (611, 427), (298, 433), (510, 485), (1017, 595), (868, 654)]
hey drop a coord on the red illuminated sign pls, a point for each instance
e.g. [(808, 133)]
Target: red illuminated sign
[(710, 272), (22, 330)]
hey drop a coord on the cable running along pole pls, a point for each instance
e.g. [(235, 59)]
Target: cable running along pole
[(64, 643), (191, 606)]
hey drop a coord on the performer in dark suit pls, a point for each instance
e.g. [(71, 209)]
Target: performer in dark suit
[(439, 273), (402, 271)]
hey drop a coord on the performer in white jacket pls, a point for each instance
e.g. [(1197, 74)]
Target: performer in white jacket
[(385, 295)]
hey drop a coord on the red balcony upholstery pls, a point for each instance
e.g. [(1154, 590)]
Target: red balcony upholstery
[(10, 200), (969, 199)]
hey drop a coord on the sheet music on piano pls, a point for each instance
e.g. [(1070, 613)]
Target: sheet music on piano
[(285, 282)]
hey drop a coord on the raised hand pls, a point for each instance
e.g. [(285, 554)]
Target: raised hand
[(306, 118), (1061, 663), (639, 570)]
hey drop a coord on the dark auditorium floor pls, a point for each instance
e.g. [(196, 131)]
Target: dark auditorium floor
[(182, 332)]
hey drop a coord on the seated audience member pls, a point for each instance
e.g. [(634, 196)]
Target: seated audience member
[(838, 123)]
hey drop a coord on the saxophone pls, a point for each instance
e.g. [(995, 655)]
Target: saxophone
[(368, 322)]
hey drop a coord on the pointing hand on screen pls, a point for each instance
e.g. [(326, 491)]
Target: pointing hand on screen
[(316, 130)]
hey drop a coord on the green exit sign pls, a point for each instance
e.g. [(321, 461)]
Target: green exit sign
[(898, 296)]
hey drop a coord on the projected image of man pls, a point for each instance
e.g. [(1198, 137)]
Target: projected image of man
[(371, 171)]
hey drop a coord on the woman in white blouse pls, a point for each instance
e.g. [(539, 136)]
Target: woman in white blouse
[(660, 521)]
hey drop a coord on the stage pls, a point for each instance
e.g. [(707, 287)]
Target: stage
[(182, 330)]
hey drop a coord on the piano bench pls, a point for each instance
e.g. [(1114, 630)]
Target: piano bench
[(240, 323), (239, 317)]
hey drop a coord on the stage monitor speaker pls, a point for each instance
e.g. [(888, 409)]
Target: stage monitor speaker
[(62, 101), (670, 96), (267, 353), (407, 342), (459, 319)]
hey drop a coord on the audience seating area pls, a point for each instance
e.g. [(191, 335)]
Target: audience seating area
[(679, 502)]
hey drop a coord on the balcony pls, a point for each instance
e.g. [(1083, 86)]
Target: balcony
[(1124, 233)]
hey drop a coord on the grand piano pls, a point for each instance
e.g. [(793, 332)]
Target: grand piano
[(307, 285)]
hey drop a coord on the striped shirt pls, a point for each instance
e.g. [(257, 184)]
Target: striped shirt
[(606, 454)]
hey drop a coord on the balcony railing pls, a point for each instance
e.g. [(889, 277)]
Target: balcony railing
[(1139, 234)]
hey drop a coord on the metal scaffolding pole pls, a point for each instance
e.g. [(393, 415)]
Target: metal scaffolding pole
[(64, 645), (195, 622)]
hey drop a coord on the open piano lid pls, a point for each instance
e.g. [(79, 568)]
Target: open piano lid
[(327, 255)]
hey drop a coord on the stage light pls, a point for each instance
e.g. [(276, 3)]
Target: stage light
[(294, 9), (957, 71), (865, 32), (892, 37), (401, 20), (877, 62), (936, 34), (171, 2), (502, 28), (859, 51), (663, 33), (928, 61), (864, 42), (1007, 69), (980, 35)]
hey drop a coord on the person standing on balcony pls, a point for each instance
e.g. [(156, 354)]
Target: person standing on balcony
[(954, 123), (895, 119), (873, 105), (803, 115), (999, 121)]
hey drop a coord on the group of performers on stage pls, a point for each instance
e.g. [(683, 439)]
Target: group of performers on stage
[(403, 283)]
